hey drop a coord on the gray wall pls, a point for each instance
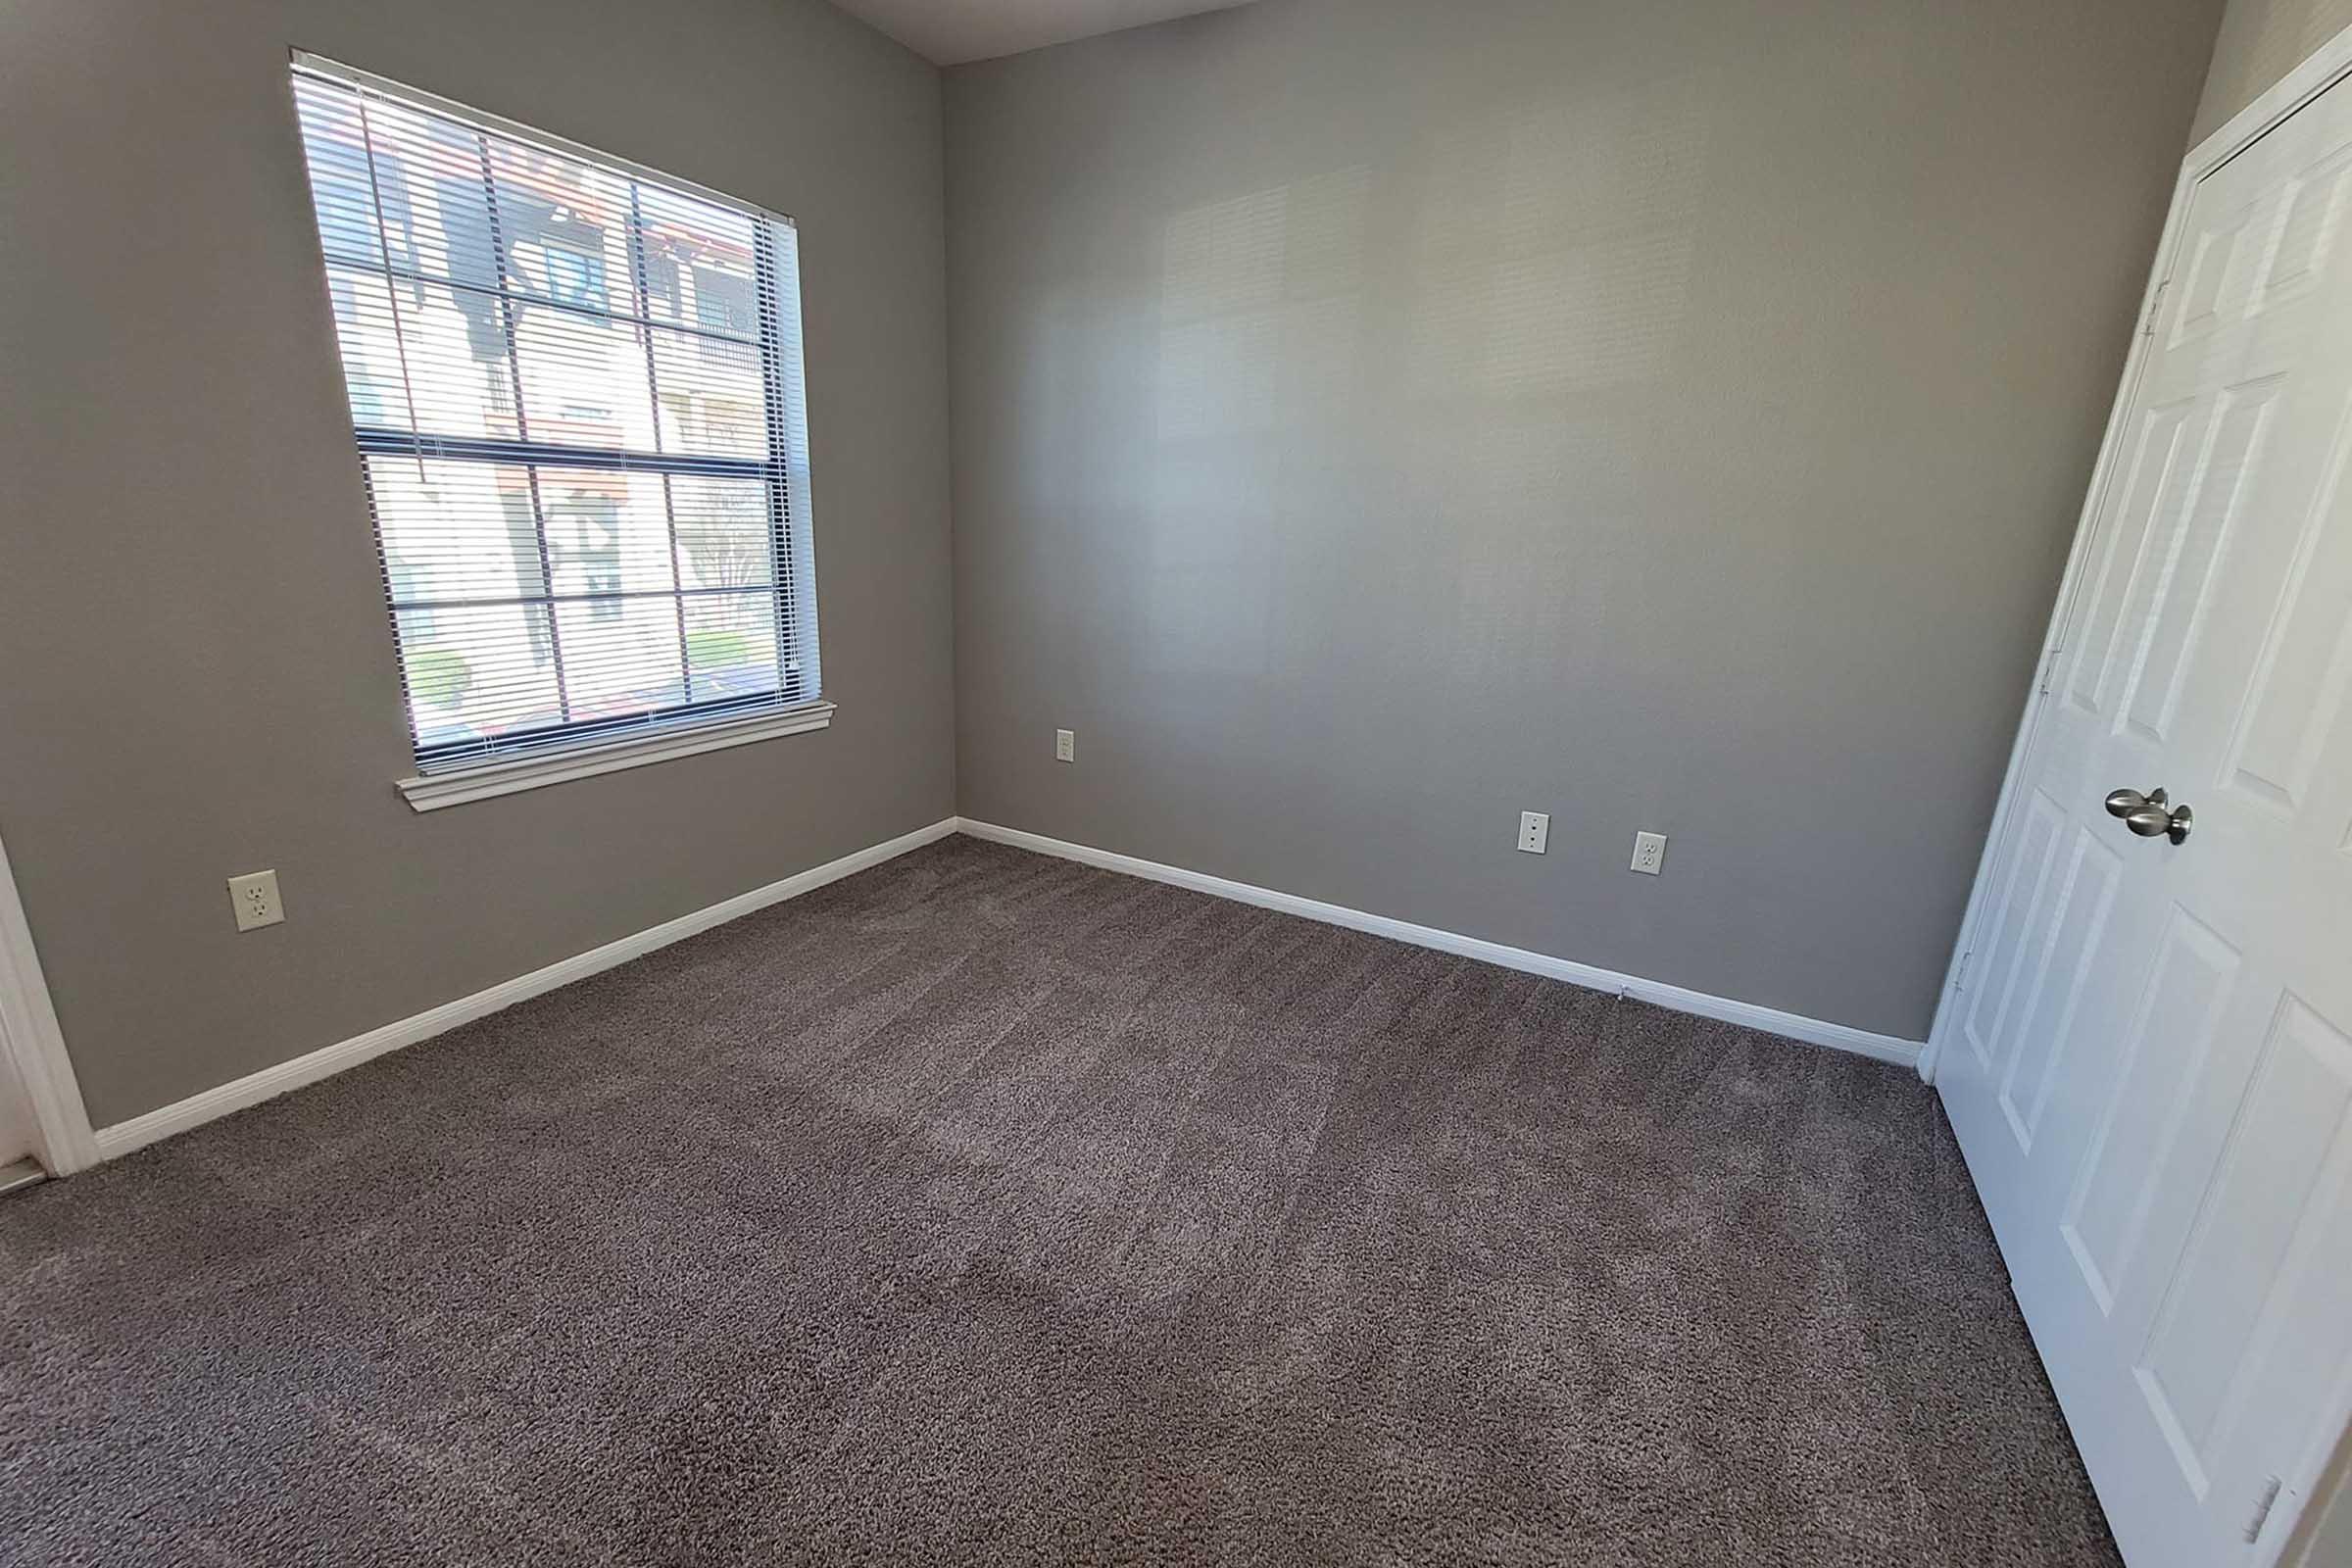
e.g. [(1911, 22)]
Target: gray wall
[(196, 676), (1375, 419), (2261, 41)]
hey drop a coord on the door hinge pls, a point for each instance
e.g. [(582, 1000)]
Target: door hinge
[(1960, 970), (2155, 310), (2049, 670), (2262, 1511)]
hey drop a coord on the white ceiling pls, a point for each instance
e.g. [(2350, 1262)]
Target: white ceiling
[(949, 32)]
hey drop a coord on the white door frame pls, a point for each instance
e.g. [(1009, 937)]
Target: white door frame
[(33, 1044), (2330, 64), (2327, 65)]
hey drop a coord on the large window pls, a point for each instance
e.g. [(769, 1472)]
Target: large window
[(576, 388)]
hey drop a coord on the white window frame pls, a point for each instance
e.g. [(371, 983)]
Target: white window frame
[(686, 735)]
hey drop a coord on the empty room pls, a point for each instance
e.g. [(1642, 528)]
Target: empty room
[(1176, 782)]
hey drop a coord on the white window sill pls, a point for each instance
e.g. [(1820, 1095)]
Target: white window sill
[(460, 785)]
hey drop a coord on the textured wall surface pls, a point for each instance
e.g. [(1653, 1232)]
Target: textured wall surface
[(2259, 42), (1373, 420), (196, 676)]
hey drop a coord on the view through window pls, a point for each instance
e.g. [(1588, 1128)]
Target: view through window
[(576, 388)]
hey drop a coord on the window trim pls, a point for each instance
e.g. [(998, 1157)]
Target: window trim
[(606, 754), (660, 739)]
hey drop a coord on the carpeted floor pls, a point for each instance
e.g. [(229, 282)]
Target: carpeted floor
[(985, 1208)]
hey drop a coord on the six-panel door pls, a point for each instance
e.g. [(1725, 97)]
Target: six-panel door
[(2152, 1068)]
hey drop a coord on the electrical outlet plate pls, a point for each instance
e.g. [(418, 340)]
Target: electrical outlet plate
[(1649, 853), (254, 897), (1534, 832), (1066, 746)]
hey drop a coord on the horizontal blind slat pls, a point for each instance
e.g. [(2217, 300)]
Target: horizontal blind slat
[(576, 397)]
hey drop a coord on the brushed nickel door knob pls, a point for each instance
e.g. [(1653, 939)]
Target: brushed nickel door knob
[(2152, 816)]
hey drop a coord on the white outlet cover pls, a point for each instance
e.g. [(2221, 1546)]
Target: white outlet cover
[(253, 897), (1066, 746), (1534, 832), (1649, 853)]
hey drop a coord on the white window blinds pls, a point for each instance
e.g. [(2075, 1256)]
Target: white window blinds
[(576, 388)]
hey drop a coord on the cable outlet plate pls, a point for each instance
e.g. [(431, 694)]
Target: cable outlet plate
[(1534, 832)]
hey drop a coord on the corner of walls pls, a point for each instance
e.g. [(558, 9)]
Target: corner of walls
[(222, 752), (2257, 42), (1316, 462)]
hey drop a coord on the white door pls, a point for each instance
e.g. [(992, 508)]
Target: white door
[(2151, 1071)]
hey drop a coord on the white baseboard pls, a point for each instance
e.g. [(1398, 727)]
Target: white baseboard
[(271, 1082), (1813, 1031)]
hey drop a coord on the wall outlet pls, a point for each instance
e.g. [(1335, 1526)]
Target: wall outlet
[(1535, 831), (1066, 746), (1649, 853), (255, 898)]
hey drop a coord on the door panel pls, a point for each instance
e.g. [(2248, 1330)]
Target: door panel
[(2045, 1023), (2315, 205), (2028, 873), (2239, 424), (2295, 699), (2280, 1154), (2155, 1094), (2149, 493), (2171, 1037)]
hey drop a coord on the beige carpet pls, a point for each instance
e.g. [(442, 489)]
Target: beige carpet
[(988, 1209)]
